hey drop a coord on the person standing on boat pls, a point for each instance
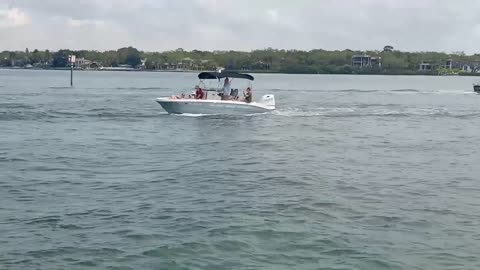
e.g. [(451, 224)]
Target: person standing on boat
[(227, 85)]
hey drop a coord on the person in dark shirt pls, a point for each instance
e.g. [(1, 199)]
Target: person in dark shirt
[(199, 93), (248, 95)]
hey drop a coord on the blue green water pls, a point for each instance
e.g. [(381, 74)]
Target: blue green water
[(351, 172)]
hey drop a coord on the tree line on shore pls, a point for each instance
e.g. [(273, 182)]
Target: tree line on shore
[(316, 61)]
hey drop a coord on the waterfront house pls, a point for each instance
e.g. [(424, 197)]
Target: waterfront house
[(142, 65), (81, 62), (260, 65), (185, 64), (42, 64), (425, 66), (466, 68), (169, 66), (362, 61), (448, 64), (451, 64), (472, 66)]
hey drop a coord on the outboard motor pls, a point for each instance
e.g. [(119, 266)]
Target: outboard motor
[(476, 88), (268, 100)]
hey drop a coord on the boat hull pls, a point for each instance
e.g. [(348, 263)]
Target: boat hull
[(192, 106)]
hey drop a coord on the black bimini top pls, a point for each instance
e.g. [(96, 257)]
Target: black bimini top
[(224, 74)]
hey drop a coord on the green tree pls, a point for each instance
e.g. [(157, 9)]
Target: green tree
[(47, 56), (109, 59), (60, 58), (265, 60), (129, 56), (394, 62), (36, 57)]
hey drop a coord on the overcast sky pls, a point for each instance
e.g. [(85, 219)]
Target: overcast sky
[(158, 25)]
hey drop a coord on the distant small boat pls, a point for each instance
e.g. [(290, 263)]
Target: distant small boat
[(476, 88)]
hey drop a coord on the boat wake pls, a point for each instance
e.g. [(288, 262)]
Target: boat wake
[(193, 114), (378, 90), (377, 111), (218, 115), (26, 112), (369, 91)]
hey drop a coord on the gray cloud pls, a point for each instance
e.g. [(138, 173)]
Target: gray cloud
[(151, 25)]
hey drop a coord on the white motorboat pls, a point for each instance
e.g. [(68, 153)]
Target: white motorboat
[(213, 103)]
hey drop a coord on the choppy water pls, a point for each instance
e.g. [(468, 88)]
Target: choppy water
[(351, 172)]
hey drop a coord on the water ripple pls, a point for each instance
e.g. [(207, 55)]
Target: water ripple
[(378, 172)]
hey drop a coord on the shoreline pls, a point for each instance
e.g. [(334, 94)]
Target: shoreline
[(250, 71)]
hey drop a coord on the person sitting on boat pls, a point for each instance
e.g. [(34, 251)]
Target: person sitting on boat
[(182, 96), (199, 92), (226, 89), (248, 95)]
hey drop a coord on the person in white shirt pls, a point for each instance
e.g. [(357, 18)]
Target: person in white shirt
[(227, 85)]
